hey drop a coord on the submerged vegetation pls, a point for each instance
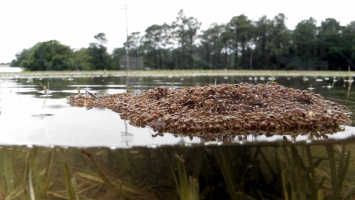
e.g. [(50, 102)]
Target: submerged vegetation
[(284, 171), (225, 110)]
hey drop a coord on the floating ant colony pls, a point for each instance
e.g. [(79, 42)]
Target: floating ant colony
[(225, 110)]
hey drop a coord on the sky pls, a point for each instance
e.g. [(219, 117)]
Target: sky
[(74, 23)]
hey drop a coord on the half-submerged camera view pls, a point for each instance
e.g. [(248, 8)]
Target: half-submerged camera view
[(156, 100), (243, 137)]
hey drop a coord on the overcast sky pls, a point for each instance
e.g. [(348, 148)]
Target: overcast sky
[(23, 23)]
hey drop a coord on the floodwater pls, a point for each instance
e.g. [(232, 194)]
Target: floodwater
[(32, 116), (51, 150)]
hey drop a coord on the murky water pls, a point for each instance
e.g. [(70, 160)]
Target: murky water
[(43, 155), (29, 116)]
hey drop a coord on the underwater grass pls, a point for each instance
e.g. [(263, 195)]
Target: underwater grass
[(187, 186), (287, 171)]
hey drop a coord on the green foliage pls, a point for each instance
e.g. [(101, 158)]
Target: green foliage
[(305, 43), (242, 30), (117, 57), (283, 170), (134, 46), (348, 35), (20, 57), (239, 44), (101, 37), (331, 45), (154, 42), (212, 47), (81, 59), (99, 58), (50, 55), (245, 44), (185, 32)]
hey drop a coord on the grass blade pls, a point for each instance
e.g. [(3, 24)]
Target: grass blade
[(224, 162), (333, 172), (118, 188)]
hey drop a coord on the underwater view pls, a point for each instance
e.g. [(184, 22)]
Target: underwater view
[(51, 149)]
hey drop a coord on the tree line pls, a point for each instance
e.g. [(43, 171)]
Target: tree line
[(239, 44)]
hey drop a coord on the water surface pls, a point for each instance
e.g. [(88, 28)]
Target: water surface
[(31, 115)]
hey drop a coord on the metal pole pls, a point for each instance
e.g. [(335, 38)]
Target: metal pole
[(127, 50), (127, 47)]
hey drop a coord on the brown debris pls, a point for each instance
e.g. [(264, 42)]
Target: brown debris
[(225, 110)]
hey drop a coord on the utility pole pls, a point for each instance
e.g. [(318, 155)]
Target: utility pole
[(127, 49), (127, 45)]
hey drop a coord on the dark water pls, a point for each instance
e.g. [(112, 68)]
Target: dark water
[(51, 150)]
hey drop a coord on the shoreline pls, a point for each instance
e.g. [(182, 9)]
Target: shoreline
[(174, 73)]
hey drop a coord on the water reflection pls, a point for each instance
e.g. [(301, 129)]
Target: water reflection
[(60, 124)]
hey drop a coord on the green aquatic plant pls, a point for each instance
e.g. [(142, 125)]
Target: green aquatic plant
[(119, 186), (8, 180), (338, 175), (46, 93), (187, 186), (225, 161), (45, 88), (280, 171), (69, 179), (26, 180)]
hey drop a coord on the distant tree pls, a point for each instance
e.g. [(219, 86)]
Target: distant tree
[(133, 46), (99, 58), (330, 44), (279, 42), (240, 44), (167, 46), (157, 40), (227, 42), (185, 31), (242, 29), (50, 55), (81, 59), (349, 43), (262, 34), (304, 39), (101, 37), (118, 55), (20, 57), (212, 46)]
